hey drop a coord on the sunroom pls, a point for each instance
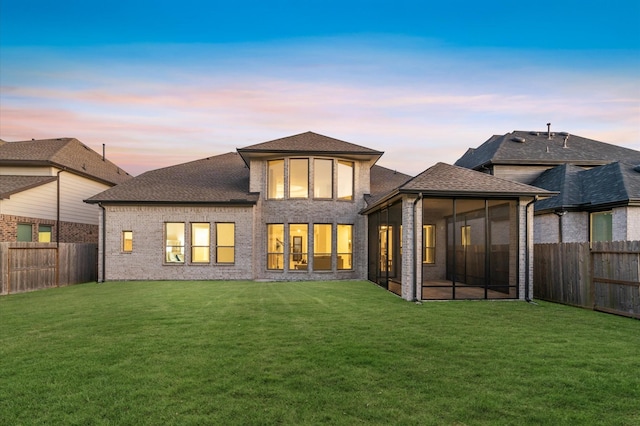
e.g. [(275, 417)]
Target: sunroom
[(452, 233)]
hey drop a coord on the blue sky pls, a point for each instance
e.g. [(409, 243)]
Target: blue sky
[(166, 82)]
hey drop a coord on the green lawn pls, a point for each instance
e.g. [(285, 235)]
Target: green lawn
[(308, 353)]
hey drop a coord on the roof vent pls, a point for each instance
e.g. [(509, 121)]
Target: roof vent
[(564, 133), (637, 168), (549, 134), (534, 133), (518, 139), (566, 138)]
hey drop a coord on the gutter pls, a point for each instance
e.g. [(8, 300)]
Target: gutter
[(415, 252), (526, 250), (104, 244)]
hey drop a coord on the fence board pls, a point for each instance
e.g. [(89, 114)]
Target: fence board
[(35, 266), (606, 277)]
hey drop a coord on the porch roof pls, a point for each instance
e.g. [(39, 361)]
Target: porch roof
[(445, 180)]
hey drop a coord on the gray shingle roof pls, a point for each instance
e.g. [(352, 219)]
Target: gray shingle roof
[(523, 147), (445, 180), (11, 184), (383, 181), (603, 186), (450, 180), (309, 142), (66, 153), (220, 179)]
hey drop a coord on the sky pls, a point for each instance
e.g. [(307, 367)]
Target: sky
[(166, 82)]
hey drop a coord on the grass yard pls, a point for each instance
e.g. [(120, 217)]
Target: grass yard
[(307, 353)]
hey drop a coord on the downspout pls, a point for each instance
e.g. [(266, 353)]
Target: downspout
[(58, 206), (104, 244), (58, 226), (526, 250), (415, 251)]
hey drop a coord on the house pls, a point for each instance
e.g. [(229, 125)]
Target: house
[(598, 184), (42, 187), (311, 207)]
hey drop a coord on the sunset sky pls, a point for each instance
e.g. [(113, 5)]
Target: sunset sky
[(164, 82)]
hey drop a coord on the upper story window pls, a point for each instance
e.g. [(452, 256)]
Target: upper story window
[(292, 178), (345, 180), (322, 178), (299, 178), (275, 180)]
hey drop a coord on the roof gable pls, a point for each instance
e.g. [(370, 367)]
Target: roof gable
[(68, 153), (10, 184), (309, 143)]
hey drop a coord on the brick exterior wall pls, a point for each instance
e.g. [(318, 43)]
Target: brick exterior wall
[(147, 260), (70, 232), (632, 215)]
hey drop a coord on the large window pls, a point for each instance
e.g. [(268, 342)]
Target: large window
[(345, 246), (174, 242), (298, 243), (601, 226), (299, 178), (25, 232), (275, 180), (345, 180), (322, 178), (200, 241), (44, 233), (322, 247), (275, 246), (127, 241), (429, 244), (225, 242)]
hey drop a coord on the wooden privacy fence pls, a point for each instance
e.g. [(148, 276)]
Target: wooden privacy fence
[(604, 277), (34, 266)]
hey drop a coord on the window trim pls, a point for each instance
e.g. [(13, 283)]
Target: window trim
[(193, 246), (353, 180), (426, 247), (166, 246), (591, 223), (218, 246), (351, 243), (288, 178), (331, 177), (124, 242), (30, 225)]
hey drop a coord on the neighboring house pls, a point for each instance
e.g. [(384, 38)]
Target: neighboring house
[(598, 183), (310, 207), (42, 187)]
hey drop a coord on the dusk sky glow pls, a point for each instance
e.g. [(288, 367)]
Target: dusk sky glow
[(161, 83)]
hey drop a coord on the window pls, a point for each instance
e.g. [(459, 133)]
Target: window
[(275, 246), (200, 251), (601, 226), (174, 242), (225, 242), (429, 244), (44, 233), (322, 247), (465, 237), (299, 237), (345, 180), (25, 231), (299, 178), (322, 178), (275, 180), (127, 241), (345, 247)]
